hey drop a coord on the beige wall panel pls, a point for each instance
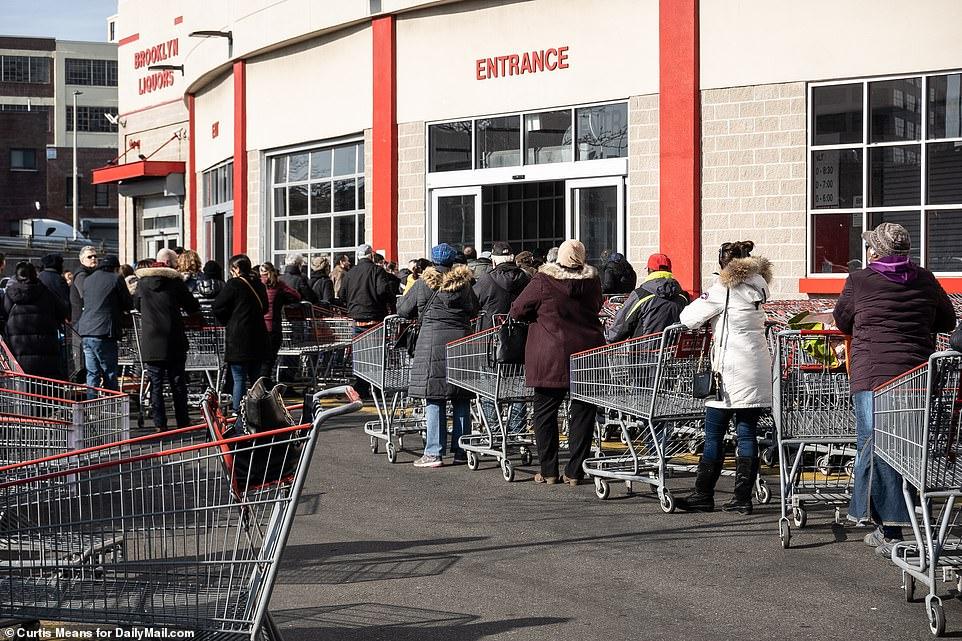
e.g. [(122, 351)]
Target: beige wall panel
[(215, 105), (613, 53), (753, 42), (753, 178)]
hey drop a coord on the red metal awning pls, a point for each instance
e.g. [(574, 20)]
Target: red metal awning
[(139, 169)]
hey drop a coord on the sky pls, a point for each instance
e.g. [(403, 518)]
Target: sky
[(61, 19)]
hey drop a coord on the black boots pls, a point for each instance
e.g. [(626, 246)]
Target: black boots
[(703, 498), (746, 471)]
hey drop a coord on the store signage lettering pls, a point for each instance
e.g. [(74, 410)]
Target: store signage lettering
[(520, 64), (152, 56)]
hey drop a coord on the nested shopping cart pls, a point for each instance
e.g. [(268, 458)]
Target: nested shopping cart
[(471, 365), (8, 362), (378, 360), (918, 426), (319, 338), (41, 417), (175, 530), (133, 374), (648, 379), (205, 351), (815, 425)]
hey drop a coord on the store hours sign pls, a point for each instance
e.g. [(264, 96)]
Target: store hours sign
[(825, 180)]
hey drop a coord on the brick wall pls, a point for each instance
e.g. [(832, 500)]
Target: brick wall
[(411, 175), (753, 177), (642, 195)]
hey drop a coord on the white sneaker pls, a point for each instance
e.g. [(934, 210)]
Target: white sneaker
[(429, 461)]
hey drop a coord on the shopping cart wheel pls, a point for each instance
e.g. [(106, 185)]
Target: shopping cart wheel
[(762, 493), (799, 516), (526, 457), (474, 461), (785, 533), (374, 444), (629, 488), (507, 470), (824, 465), (602, 489), (667, 502), (908, 587), (933, 606), (769, 456), (391, 451)]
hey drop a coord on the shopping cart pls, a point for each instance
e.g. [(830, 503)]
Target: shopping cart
[(648, 378), (42, 417), (8, 362), (175, 531), (917, 432), (781, 311), (376, 360), (205, 351), (318, 339), (131, 365), (815, 425), (471, 366)]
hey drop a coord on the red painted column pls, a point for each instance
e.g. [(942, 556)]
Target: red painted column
[(384, 138), (680, 140), (240, 158), (194, 213)]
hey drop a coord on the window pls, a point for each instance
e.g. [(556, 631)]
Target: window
[(101, 195), (886, 150), (581, 133), (98, 73), (317, 201), (23, 159), (92, 119), (30, 69), (68, 191), (218, 185)]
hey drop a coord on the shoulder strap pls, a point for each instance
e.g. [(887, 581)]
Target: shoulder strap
[(260, 303)]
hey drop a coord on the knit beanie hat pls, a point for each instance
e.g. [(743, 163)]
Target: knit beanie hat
[(889, 239), (571, 254), (443, 255)]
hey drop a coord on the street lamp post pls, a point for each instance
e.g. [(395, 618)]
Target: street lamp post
[(74, 181)]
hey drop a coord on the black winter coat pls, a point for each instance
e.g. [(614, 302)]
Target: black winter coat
[(161, 296), (76, 293), (105, 299), (366, 291), (293, 278), (618, 277), (55, 282), (497, 289), (205, 293), (32, 317), (242, 312), (447, 318), (651, 308), (323, 288), (893, 325), (562, 307)]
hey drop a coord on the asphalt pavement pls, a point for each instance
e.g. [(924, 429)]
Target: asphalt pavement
[(382, 551)]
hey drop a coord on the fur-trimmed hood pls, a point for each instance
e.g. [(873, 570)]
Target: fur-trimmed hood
[(739, 270), (162, 272), (556, 271), (451, 280)]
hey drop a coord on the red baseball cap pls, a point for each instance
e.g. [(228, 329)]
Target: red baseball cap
[(659, 262)]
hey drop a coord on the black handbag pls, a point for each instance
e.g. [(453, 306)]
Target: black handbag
[(706, 382), (408, 338), (265, 459), (507, 345)]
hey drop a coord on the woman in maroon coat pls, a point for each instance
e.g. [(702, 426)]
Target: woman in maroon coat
[(279, 294), (562, 304)]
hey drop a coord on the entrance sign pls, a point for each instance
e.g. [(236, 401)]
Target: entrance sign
[(520, 64)]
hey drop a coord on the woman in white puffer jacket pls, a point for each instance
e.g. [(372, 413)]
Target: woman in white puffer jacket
[(740, 353)]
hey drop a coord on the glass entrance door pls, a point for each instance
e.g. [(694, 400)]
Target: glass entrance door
[(596, 215), (456, 216)]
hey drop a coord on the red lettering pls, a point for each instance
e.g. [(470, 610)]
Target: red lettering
[(492, 67), (502, 60), (526, 63), (479, 69), (175, 44), (562, 57), (215, 129), (551, 66), (513, 64), (538, 62)]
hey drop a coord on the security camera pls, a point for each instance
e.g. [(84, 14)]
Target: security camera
[(112, 119)]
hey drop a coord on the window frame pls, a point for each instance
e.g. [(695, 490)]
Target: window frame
[(108, 78), (36, 162), (866, 210)]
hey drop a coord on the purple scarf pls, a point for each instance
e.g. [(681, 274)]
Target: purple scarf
[(898, 269)]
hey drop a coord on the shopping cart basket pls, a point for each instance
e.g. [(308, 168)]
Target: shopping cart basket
[(319, 339), (168, 531), (131, 364), (471, 366), (40, 417), (815, 425), (387, 368), (8, 362), (648, 378), (205, 351), (917, 432)]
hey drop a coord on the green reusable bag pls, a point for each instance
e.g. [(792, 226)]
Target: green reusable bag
[(820, 350)]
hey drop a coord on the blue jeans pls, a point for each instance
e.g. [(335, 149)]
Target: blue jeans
[(100, 359), (244, 375), (717, 421), (438, 423), (517, 416), (876, 487)]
